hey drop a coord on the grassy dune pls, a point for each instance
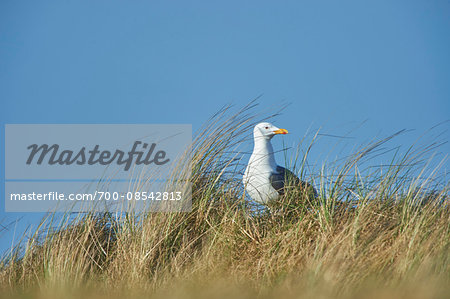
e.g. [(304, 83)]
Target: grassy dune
[(370, 234)]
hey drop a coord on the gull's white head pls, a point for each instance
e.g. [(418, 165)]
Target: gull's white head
[(267, 131)]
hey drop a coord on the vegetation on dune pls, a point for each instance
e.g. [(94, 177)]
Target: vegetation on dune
[(371, 233)]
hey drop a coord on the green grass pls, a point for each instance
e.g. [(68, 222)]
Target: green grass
[(371, 234)]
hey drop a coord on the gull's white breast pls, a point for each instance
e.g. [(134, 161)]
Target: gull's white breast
[(257, 184)]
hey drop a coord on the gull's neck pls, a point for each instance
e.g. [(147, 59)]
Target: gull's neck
[(263, 153)]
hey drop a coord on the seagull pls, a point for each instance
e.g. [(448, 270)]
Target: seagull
[(263, 179)]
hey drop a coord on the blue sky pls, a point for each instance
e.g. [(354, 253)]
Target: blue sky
[(339, 63)]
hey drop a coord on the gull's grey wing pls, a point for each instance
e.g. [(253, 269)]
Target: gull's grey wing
[(284, 176), (281, 177)]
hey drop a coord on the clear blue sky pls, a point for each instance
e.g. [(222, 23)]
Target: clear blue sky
[(336, 62)]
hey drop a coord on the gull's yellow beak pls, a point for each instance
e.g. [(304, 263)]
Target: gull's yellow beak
[(281, 131)]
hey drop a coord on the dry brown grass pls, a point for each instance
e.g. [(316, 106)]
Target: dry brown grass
[(388, 242)]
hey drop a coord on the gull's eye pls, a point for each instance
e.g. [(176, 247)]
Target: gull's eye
[(266, 128)]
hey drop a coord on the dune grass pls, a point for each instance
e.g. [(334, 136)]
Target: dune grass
[(371, 233)]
